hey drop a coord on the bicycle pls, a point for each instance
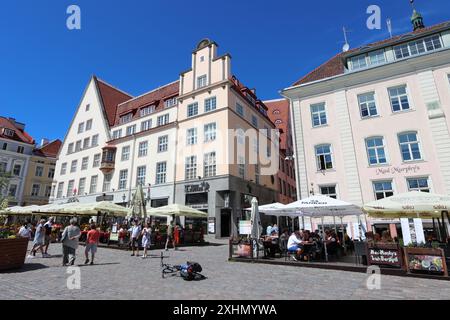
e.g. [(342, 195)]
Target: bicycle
[(169, 269)]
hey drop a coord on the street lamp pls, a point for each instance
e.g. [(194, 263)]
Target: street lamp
[(124, 198)]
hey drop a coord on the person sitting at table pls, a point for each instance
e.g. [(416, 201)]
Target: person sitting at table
[(376, 237), (295, 245), (275, 229), (274, 234), (386, 236), (269, 230), (331, 242)]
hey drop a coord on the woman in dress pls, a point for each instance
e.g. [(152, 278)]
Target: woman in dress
[(146, 239)]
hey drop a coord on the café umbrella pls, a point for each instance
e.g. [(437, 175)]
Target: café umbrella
[(256, 226), (177, 210)]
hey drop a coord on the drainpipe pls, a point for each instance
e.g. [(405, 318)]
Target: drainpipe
[(132, 168)]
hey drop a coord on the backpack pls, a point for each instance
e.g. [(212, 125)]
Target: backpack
[(190, 271)]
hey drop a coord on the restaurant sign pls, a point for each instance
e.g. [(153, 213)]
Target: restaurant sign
[(398, 170), (385, 255), (196, 188)]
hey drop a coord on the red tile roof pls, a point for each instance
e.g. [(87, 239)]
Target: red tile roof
[(50, 150), (335, 66), (279, 110), (19, 134), (111, 97), (155, 97)]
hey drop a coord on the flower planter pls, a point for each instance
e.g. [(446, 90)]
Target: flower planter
[(12, 253)]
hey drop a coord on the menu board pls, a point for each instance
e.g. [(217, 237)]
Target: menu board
[(245, 227), (389, 255), (426, 260)]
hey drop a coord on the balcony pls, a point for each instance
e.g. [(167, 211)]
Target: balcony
[(107, 164)]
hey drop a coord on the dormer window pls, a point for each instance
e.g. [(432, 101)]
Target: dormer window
[(418, 47), (8, 132), (147, 110), (170, 102), (126, 118), (366, 60), (250, 98)]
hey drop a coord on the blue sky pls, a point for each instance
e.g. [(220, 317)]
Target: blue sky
[(138, 45)]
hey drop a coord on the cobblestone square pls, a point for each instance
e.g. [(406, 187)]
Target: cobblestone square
[(117, 275)]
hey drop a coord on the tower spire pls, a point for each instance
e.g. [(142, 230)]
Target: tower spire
[(416, 19)]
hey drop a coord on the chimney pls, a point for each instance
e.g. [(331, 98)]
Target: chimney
[(44, 142)]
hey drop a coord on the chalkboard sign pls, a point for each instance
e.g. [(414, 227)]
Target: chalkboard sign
[(385, 254)]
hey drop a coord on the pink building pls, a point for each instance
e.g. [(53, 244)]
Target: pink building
[(374, 121)]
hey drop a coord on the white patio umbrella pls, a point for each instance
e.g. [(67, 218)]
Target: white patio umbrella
[(177, 210), (88, 209), (256, 220)]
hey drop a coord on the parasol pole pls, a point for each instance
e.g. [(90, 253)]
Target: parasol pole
[(343, 236), (324, 241)]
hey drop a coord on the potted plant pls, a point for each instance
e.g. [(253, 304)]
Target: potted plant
[(12, 250)]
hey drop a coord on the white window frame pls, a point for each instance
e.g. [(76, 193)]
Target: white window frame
[(209, 164), (141, 175), (419, 188), (192, 109), (191, 136), (317, 156), (123, 179), (398, 97), (409, 145), (318, 114), (210, 104), (163, 143), (161, 175), (84, 163), (125, 154), (376, 148), (367, 104), (143, 149), (210, 132)]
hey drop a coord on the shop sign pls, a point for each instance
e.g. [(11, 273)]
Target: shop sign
[(212, 225), (195, 188), (245, 227), (385, 255), (398, 170)]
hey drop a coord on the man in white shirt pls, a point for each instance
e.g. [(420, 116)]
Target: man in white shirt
[(295, 244), (135, 232), (269, 230)]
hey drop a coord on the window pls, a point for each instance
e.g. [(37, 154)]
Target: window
[(107, 182), (70, 148), (59, 193), (255, 145), (126, 118), (63, 168), (170, 102), (210, 104), (48, 191), (73, 166), (143, 147), (375, 150), (163, 120), (140, 177), (241, 167), (383, 189), (254, 121), (367, 105), (191, 136), (94, 141), (93, 186), (5, 146), (51, 173), (88, 106), (418, 184), (8, 132), (147, 110), (131, 130), (78, 146), (20, 149), (84, 163), (359, 62), (240, 135), (17, 169), (12, 190), (39, 171), (409, 146), (210, 132), (81, 127), (191, 168), (81, 186), (123, 177), (161, 168), (70, 188), (323, 157), (145, 125), (163, 143), (96, 163), (209, 165), (376, 57), (89, 125), (329, 191), (35, 190), (125, 153), (86, 143), (318, 115), (257, 174), (117, 134), (418, 47), (399, 98), (192, 109), (201, 82), (240, 109)]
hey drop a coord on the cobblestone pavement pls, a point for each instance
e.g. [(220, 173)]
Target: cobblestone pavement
[(120, 276)]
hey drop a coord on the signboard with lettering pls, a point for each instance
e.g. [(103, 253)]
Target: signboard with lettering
[(398, 170), (245, 227), (194, 188), (426, 260), (385, 254), (212, 225)]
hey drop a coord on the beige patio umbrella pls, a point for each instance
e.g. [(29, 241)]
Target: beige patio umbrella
[(412, 204), (178, 210), (138, 204), (85, 209), (21, 210)]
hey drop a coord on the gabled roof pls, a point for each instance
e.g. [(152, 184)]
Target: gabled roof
[(50, 150), (155, 97), (335, 66), (279, 110), (111, 97), (19, 134)]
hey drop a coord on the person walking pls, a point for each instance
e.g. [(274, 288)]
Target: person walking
[(135, 233), (170, 234), (48, 233), (92, 239), (146, 239), (39, 238), (69, 241)]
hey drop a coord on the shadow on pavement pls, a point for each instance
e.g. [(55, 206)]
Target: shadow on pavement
[(26, 267), (97, 264)]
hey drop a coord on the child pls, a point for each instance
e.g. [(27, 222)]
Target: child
[(92, 239), (146, 239)]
